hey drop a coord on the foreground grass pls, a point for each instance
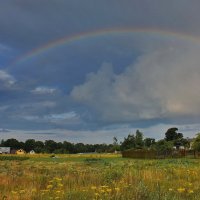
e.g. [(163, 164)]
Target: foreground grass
[(98, 176)]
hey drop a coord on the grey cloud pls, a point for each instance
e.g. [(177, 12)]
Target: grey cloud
[(46, 20), (161, 84), (42, 90), (6, 80), (62, 116), (68, 118), (3, 130), (54, 117), (97, 136), (101, 136)]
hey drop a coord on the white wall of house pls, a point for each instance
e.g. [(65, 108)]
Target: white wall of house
[(5, 149)]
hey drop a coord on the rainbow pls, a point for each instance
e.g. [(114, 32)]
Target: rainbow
[(97, 33)]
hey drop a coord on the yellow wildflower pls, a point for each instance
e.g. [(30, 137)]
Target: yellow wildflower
[(34, 190), (58, 179), (181, 190), (104, 186), (190, 191), (49, 186), (108, 190), (93, 187)]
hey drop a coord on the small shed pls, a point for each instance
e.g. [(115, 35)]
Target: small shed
[(32, 152), (20, 152)]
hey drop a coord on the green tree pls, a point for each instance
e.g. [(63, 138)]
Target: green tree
[(128, 142), (172, 134), (69, 147), (2, 143), (115, 141), (29, 145), (80, 148), (50, 146), (139, 143), (149, 142), (196, 142), (39, 147), (163, 145), (13, 143), (116, 146)]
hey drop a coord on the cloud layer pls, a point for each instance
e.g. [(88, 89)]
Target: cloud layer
[(161, 84), (98, 85), (6, 79)]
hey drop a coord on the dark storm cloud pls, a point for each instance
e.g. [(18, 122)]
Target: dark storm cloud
[(31, 23)]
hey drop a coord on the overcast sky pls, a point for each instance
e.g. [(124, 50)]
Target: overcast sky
[(86, 71)]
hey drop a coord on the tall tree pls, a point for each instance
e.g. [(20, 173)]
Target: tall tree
[(39, 147), (172, 134), (50, 146), (29, 145), (2, 143), (139, 139), (116, 146), (69, 147), (13, 143), (148, 142), (196, 143), (128, 142)]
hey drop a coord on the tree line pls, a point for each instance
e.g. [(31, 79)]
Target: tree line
[(172, 139), (50, 146), (132, 141)]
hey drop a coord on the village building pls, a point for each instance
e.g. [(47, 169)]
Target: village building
[(4, 150), (13, 151), (20, 152), (32, 152)]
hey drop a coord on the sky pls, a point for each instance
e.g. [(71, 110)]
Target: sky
[(88, 71)]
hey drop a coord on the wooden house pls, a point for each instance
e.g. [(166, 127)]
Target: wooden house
[(20, 152)]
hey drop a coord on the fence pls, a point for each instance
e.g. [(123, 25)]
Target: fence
[(153, 154), (139, 153)]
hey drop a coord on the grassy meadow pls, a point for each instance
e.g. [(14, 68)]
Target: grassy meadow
[(96, 177)]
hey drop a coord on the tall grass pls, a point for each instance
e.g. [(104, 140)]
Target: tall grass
[(99, 177)]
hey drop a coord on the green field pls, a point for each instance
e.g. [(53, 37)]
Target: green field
[(97, 176)]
